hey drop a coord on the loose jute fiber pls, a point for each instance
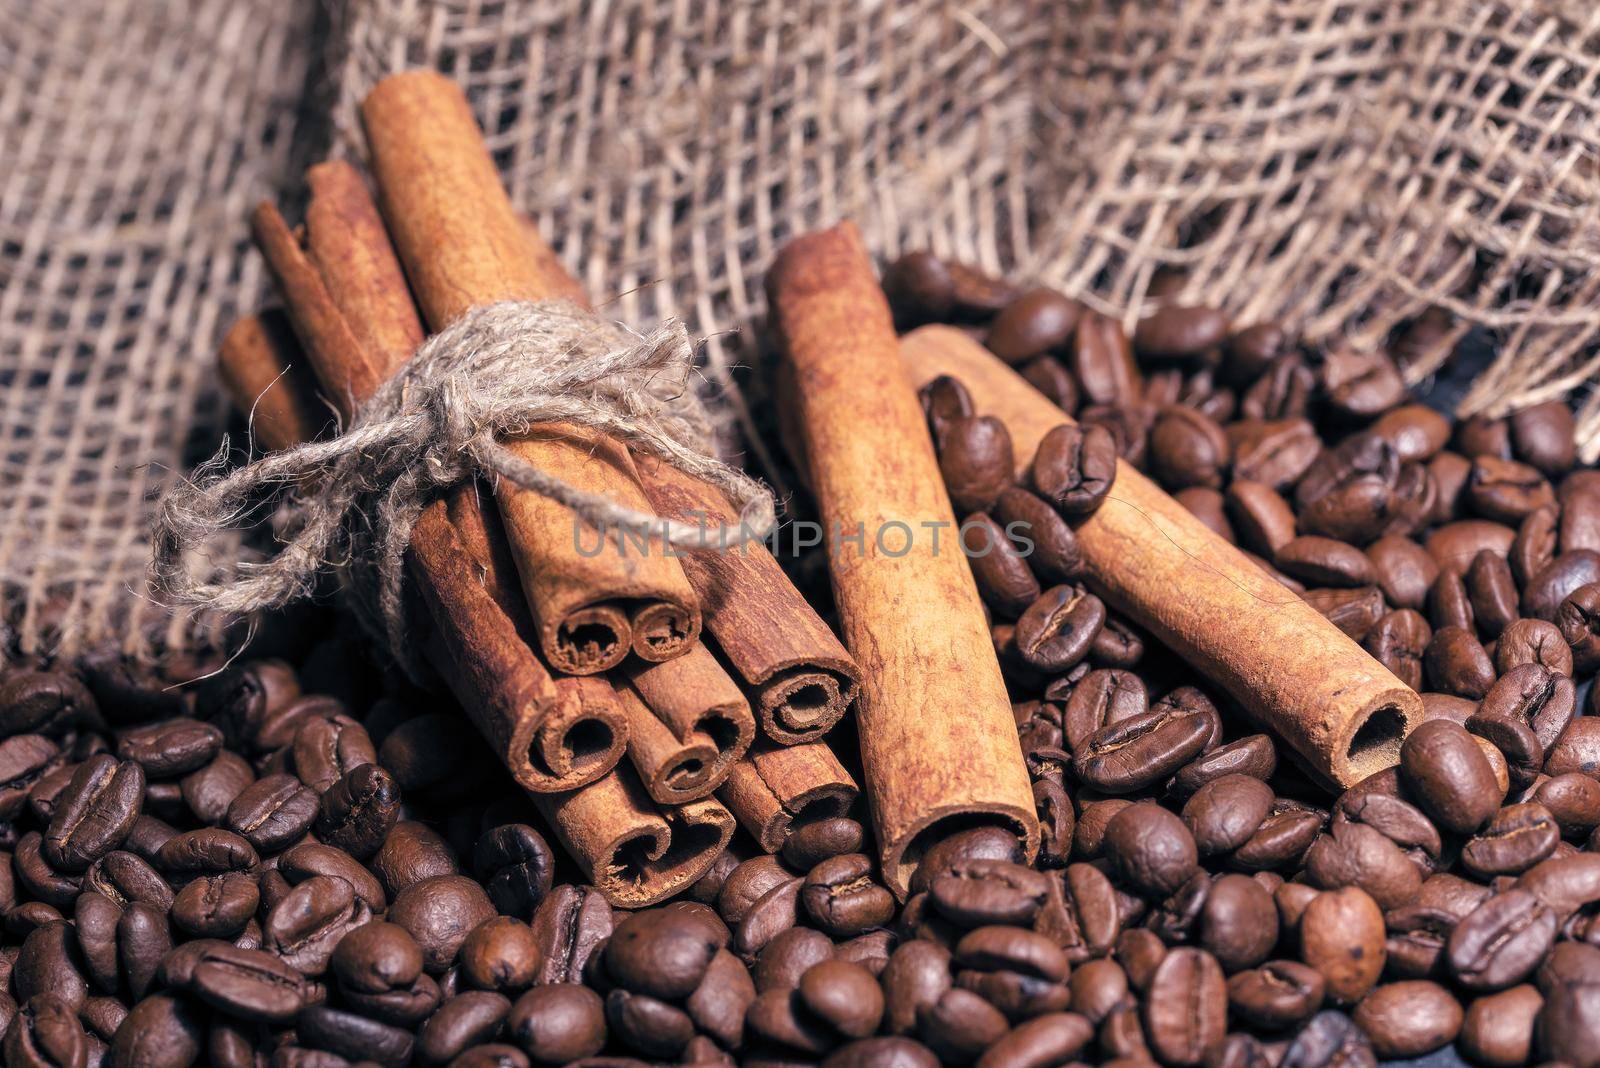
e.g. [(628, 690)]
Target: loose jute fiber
[(1344, 165)]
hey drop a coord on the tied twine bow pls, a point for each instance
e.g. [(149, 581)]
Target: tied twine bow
[(349, 504)]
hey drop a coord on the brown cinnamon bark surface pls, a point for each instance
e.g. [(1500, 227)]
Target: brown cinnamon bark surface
[(1147, 555), (689, 724), (939, 745), (635, 852), (463, 246), (356, 322), (776, 788), (263, 373), (801, 679)]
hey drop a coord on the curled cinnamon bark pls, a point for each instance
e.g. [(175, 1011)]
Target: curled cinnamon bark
[(776, 788), (263, 372), (689, 724), (1151, 558), (939, 745), (464, 246)]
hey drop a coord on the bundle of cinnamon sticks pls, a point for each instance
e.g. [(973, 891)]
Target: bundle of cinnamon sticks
[(646, 700)]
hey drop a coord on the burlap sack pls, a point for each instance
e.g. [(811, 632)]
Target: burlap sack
[(1341, 164)]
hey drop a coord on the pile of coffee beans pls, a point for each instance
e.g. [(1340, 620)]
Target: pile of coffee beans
[(297, 862)]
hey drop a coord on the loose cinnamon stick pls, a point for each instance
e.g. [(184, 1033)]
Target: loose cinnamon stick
[(776, 788), (689, 723), (938, 742), (463, 246), (1148, 556), (800, 676), (356, 322), (635, 853), (260, 365)]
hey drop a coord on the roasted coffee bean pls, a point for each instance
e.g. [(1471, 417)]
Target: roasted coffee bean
[(306, 925), (1075, 467), (1566, 574), (1578, 618), (1273, 453), (1532, 641), (977, 892), (920, 288), (24, 760), (1185, 1009), (1505, 490), (412, 853), (45, 1033), (1133, 753), (1320, 561), (515, 864), (308, 859), (1399, 641), (216, 906), (1408, 1019), (39, 879), (1007, 583), (43, 702), (1500, 942), (559, 1023), (358, 811), (1277, 995), (1056, 631), (1224, 813), (1451, 778), (772, 913), (439, 913), (1577, 749), (351, 1036), (94, 813), (123, 877), (1573, 801), (209, 791), (845, 996), (1498, 1028), (1353, 854), (1056, 556), (327, 748), (170, 748), (1150, 849), (208, 851), (1342, 937), (840, 896), (570, 925), (809, 844), (1253, 756), (975, 461), (1039, 321), (1516, 839), (1238, 923), (1456, 664), (1188, 449), (1354, 611), (249, 984), (960, 1025)]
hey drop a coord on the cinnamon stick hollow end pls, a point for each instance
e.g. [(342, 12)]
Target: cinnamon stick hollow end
[(939, 745), (1342, 713), (689, 724), (777, 788), (799, 677), (635, 852)]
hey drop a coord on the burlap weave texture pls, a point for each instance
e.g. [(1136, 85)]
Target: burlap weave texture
[(1343, 164)]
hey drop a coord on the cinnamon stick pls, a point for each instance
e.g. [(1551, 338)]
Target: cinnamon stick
[(1148, 556), (261, 368), (799, 675), (463, 246), (939, 745), (689, 723), (635, 853), (777, 788), (356, 321)]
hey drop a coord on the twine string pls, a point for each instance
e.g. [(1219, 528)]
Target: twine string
[(349, 504)]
